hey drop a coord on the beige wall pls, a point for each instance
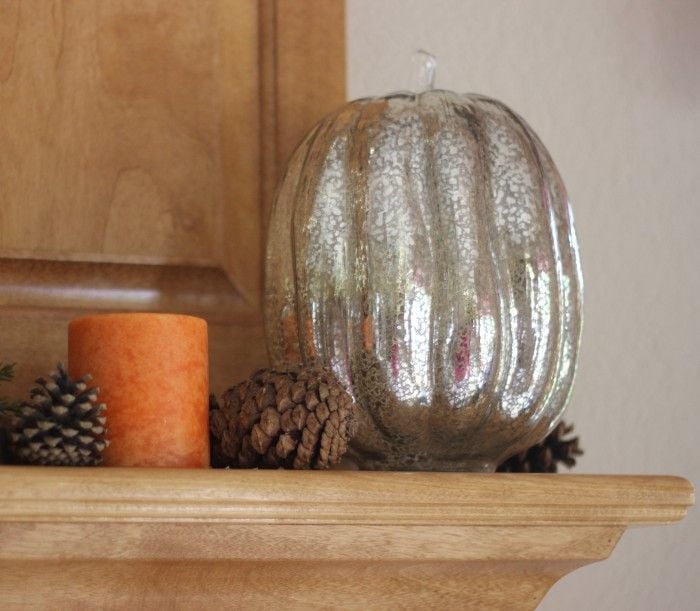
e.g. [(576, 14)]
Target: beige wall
[(613, 89)]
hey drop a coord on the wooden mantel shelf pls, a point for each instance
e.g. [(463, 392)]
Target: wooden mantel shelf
[(141, 538)]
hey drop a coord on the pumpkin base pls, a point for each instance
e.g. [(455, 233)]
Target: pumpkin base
[(422, 464)]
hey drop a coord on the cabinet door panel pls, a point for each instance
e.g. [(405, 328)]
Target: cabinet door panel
[(139, 145)]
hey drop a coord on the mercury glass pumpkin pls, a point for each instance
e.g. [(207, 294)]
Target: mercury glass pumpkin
[(422, 246)]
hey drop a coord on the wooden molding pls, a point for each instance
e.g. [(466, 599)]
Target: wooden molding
[(124, 537), (72, 287), (340, 497)]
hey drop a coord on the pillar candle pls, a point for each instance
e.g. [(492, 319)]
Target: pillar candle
[(153, 374)]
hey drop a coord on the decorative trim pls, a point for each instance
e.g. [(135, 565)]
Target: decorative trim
[(370, 498)]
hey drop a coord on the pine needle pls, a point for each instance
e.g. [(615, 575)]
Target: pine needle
[(7, 372)]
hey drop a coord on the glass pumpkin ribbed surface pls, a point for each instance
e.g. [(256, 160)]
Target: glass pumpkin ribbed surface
[(422, 246)]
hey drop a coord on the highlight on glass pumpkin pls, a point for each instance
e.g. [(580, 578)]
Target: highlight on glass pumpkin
[(422, 247)]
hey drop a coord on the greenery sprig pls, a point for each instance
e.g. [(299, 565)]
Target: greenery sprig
[(7, 372)]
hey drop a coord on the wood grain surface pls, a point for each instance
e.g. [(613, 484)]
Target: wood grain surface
[(147, 538), (303, 584), (111, 127), (141, 142), (305, 42)]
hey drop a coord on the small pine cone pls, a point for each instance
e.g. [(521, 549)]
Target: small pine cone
[(301, 418), (62, 424), (545, 457)]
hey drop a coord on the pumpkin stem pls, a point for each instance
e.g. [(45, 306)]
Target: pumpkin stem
[(424, 65)]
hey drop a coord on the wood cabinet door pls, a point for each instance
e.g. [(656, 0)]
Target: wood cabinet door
[(140, 141)]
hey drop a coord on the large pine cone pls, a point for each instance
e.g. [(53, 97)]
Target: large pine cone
[(545, 457), (62, 424), (300, 418)]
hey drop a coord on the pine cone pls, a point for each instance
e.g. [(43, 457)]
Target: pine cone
[(545, 456), (300, 418), (61, 425)]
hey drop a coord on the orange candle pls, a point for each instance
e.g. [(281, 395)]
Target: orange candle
[(153, 374)]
